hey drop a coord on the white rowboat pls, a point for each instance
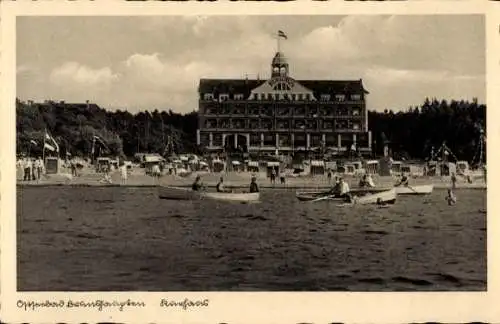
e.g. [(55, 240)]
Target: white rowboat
[(383, 197), (232, 196), (179, 193)]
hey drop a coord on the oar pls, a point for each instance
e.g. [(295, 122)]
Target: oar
[(323, 198), (412, 189)]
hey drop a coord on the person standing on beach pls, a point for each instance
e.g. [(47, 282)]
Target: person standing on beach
[(124, 173), (273, 175), (40, 168), (329, 176), (37, 170), (28, 169), (73, 168)]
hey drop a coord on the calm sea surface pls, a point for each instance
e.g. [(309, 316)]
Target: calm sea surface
[(83, 239)]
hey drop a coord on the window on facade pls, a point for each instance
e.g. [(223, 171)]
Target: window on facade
[(325, 97), (208, 96), (340, 97), (294, 97), (262, 96), (301, 96), (277, 96), (356, 97), (223, 97), (238, 96), (355, 111), (308, 96), (255, 96), (269, 96), (355, 126), (281, 86)]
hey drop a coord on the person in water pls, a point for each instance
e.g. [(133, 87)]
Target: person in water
[(453, 180), (366, 181), (404, 181), (451, 198), (253, 185), (197, 186)]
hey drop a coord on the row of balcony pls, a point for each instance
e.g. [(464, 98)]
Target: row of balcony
[(281, 101), (283, 112), (323, 130), (289, 117)]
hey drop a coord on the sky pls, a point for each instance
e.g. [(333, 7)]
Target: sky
[(138, 63)]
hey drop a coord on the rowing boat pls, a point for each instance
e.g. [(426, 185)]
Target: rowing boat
[(415, 190), (179, 193), (314, 195), (383, 197), (310, 195), (232, 196)]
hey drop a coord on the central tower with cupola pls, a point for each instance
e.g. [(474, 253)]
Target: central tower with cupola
[(279, 66)]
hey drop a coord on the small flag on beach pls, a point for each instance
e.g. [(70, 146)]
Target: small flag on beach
[(50, 138), (49, 147), (97, 138), (282, 34)]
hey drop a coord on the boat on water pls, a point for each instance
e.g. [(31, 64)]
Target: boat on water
[(362, 196), (415, 190), (380, 198), (179, 193)]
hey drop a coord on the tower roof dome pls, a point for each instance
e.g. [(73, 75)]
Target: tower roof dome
[(279, 59)]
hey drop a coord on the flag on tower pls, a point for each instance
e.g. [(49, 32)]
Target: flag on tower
[(282, 34)]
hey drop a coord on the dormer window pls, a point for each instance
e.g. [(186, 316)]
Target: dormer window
[(269, 96), (308, 96), (340, 97), (356, 97), (325, 97), (294, 97), (208, 96), (255, 96), (262, 96), (276, 96), (301, 96), (238, 96), (223, 97)]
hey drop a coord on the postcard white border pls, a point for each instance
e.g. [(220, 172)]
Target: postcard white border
[(266, 307)]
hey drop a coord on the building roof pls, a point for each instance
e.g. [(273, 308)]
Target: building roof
[(245, 86)]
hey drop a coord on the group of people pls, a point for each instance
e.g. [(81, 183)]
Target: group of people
[(32, 168), (198, 185)]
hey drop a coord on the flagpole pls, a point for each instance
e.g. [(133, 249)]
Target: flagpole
[(44, 141), (278, 36)]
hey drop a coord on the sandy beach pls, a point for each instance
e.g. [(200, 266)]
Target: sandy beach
[(138, 178)]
